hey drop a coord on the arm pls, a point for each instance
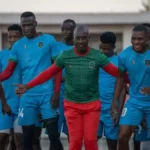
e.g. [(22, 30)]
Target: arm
[(122, 100), (114, 71), (57, 81), (116, 113), (8, 71), (109, 67), (119, 86), (2, 95), (44, 76), (5, 107)]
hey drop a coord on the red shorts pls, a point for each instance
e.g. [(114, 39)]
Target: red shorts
[(82, 121)]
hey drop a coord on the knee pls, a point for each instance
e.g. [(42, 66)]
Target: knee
[(75, 143), (18, 137), (90, 140), (123, 137)]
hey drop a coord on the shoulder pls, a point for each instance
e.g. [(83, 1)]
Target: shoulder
[(3, 51), (114, 59), (19, 42), (126, 51), (96, 52), (68, 52), (48, 37)]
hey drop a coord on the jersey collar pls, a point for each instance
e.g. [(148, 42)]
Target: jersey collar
[(79, 54)]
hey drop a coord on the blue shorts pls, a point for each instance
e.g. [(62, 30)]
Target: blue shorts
[(134, 111), (107, 126), (7, 122), (31, 106), (141, 134)]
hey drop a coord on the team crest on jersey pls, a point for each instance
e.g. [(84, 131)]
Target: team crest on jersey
[(91, 65), (147, 62), (40, 44), (133, 62)]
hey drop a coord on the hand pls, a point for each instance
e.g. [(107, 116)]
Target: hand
[(22, 88), (127, 89), (6, 109), (55, 100), (115, 114), (17, 92), (145, 91)]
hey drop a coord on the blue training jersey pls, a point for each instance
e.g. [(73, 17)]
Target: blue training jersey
[(59, 48), (9, 88), (138, 67), (107, 84), (34, 56)]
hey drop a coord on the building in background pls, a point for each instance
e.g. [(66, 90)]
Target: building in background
[(120, 23)]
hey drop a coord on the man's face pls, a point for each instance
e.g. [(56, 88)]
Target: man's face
[(67, 30), (107, 49), (13, 36), (148, 37), (28, 25), (81, 40), (139, 40)]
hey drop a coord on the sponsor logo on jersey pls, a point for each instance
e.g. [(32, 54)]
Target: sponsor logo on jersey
[(91, 65), (40, 44), (133, 62), (147, 62)]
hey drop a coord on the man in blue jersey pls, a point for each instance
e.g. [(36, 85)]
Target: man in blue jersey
[(67, 29), (33, 54), (12, 100), (106, 89), (136, 62)]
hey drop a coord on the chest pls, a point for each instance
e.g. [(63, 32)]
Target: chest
[(34, 50), (138, 63), (81, 65)]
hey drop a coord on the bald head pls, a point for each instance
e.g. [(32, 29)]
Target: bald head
[(81, 29), (81, 38)]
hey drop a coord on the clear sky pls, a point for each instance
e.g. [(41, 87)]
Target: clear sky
[(70, 5)]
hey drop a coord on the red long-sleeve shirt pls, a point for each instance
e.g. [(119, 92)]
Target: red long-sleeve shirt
[(51, 71)]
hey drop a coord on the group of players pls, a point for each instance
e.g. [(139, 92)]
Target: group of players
[(34, 58)]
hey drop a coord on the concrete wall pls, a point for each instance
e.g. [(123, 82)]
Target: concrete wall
[(123, 33)]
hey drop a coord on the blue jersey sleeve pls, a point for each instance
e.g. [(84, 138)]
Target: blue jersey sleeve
[(53, 46), (1, 61), (14, 54), (55, 50), (121, 62)]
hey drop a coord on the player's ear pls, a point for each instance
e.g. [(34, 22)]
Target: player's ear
[(89, 37), (36, 23)]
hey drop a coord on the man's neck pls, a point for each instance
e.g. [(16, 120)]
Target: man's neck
[(35, 35), (69, 42)]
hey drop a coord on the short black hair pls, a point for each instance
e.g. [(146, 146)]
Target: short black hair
[(108, 38), (140, 28), (28, 14), (146, 25), (70, 20), (15, 27)]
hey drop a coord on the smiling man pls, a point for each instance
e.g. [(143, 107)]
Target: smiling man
[(33, 54), (136, 62), (81, 105)]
